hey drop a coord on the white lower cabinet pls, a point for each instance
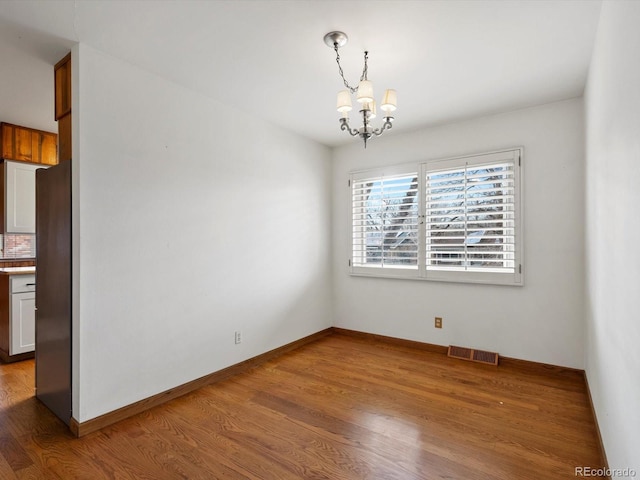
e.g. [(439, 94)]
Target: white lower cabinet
[(22, 323)]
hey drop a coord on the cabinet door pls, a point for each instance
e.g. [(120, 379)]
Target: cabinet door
[(62, 87), (63, 107), (23, 323), (44, 147), (7, 131), (20, 197), (64, 138), (23, 145), (17, 143)]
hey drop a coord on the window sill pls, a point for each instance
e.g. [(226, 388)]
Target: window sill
[(507, 280)]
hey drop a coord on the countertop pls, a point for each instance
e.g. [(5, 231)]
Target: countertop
[(17, 270)]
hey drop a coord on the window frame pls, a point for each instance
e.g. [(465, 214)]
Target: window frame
[(422, 270)]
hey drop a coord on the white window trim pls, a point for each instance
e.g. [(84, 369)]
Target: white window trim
[(422, 272)]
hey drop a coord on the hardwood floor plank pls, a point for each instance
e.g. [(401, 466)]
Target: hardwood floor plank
[(6, 471), (32, 473), (13, 453), (342, 407)]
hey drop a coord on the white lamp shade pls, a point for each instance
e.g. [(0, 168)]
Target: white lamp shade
[(389, 101), (365, 92), (344, 101)]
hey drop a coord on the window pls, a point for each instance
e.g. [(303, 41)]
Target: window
[(386, 220), (455, 220)]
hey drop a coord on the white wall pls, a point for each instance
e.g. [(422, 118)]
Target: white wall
[(195, 220), (613, 230), (542, 321), (26, 88)]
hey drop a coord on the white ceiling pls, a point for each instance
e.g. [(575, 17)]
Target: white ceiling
[(448, 60)]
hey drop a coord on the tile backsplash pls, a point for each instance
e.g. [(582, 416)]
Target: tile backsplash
[(13, 246)]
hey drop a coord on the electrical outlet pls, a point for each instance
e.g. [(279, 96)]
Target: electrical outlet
[(438, 323), (238, 337)]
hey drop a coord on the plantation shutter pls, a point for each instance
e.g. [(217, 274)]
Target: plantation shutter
[(385, 213), (453, 220), (470, 206)]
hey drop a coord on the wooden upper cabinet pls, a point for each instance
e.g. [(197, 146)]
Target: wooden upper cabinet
[(62, 72), (28, 145), (46, 147), (63, 87), (16, 143)]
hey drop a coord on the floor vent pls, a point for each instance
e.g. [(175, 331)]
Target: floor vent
[(480, 356)]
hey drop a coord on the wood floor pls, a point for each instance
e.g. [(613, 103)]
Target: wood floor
[(339, 408)]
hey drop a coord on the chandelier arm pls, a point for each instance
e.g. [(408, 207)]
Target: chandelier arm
[(385, 126), (344, 125)]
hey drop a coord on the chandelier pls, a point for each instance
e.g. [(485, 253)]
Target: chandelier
[(364, 96)]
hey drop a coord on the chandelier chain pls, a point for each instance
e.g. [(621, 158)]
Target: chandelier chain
[(344, 80)]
